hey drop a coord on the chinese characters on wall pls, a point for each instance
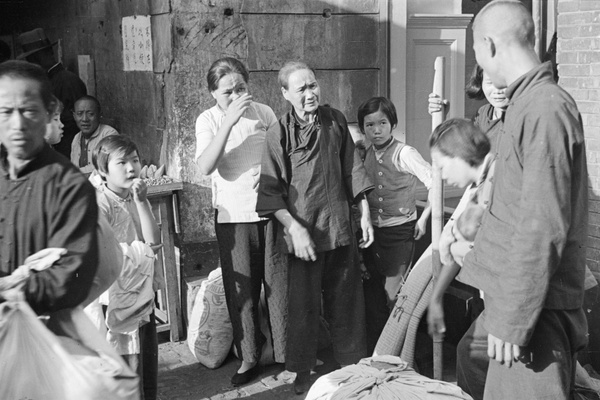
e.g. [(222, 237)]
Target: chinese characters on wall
[(137, 43)]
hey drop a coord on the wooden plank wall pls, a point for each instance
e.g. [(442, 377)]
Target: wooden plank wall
[(344, 41)]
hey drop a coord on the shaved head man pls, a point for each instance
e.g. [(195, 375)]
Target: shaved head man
[(529, 255), (503, 40)]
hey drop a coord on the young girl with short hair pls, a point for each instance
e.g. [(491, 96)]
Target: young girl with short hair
[(122, 199), (395, 169)]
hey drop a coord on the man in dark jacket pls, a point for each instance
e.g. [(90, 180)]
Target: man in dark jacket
[(529, 255), (45, 202)]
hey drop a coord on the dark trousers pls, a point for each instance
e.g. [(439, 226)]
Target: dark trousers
[(145, 364), (546, 371), (249, 258), (591, 306), (335, 278), (387, 261)]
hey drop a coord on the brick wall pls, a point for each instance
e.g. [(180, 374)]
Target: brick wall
[(578, 59)]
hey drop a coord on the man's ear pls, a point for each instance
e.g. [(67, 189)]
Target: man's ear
[(490, 46), (284, 92)]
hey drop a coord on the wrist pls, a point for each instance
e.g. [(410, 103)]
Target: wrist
[(453, 234), (231, 118), (226, 126), (295, 227)]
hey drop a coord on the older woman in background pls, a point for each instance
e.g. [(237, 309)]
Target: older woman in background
[(307, 182)]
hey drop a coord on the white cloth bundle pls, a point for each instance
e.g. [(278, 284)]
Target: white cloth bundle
[(382, 378)]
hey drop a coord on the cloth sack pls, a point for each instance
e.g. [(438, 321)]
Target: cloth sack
[(210, 333), (381, 378)]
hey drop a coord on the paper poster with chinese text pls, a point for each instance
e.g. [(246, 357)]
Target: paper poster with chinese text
[(137, 43)]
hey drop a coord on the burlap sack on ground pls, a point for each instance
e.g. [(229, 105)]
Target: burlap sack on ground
[(210, 333)]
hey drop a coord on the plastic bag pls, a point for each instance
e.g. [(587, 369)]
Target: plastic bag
[(210, 333), (37, 364)]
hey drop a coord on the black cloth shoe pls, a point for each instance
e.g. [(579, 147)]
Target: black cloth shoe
[(245, 377), (302, 382)]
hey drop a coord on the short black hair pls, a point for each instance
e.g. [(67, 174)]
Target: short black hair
[(474, 87), (26, 70), (373, 105), (58, 106), (222, 67), (89, 98), (460, 138), (112, 146)]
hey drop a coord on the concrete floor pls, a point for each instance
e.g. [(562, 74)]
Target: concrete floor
[(181, 377)]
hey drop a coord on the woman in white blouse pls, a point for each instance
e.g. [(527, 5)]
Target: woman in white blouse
[(229, 145)]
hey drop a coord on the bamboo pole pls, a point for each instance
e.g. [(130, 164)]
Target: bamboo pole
[(437, 213)]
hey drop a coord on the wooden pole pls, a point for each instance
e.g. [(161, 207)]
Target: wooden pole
[(437, 213)]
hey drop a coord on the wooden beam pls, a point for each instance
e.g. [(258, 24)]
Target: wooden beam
[(437, 214)]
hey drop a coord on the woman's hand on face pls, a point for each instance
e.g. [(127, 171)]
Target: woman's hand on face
[(236, 108)]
